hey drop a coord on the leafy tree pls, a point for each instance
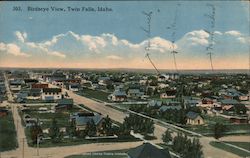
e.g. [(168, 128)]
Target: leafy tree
[(219, 130), (139, 124), (107, 126), (186, 147), (71, 130), (35, 132), (91, 129), (166, 137), (54, 132)]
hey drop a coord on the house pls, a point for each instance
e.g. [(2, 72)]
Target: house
[(51, 94), (35, 92), (29, 82), (147, 150), (154, 103), (239, 120), (135, 93), (194, 118), (39, 86), (81, 119), (64, 104), (168, 94), (172, 107), (15, 85), (191, 102), (118, 96), (74, 87), (3, 112)]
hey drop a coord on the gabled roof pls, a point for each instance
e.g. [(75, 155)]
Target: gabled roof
[(164, 107), (83, 120), (52, 90), (229, 102), (147, 150), (192, 115), (119, 93)]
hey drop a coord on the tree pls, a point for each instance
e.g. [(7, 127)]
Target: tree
[(166, 137), (139, 124), (35, 132), (91, 129), (71, 130), (107, 126), (219, 130), (187, 148), (54, 132)]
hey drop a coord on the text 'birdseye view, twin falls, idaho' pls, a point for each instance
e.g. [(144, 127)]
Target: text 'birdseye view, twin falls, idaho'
[(125, 79)]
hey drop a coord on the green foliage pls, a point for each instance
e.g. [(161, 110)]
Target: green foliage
[(187, 148), (71, 130), (35, 132), (107, 126), (91, 128), (166, 137), (54, 132), (219, 130), (139, 124), (8, 139)]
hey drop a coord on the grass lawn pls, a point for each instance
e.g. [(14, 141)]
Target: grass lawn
[(78, 141), (230, 149), (244, 145), (106, 154), (8, 140), (207, 129), (100, 95)]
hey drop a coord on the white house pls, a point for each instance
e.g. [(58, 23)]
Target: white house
[(51, 94)]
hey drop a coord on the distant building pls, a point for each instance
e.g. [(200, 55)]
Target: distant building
[(147, 150), (51, 94), (39, 86), (135, 93), (118, 96), (194, 118), (81, 119), (64, 104), (168, 94), (3, 112)]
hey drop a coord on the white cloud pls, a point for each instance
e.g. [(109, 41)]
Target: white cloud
[(233, 33), (21, 36), (12, 49), (197, 37), (113, 57), (57, 54)]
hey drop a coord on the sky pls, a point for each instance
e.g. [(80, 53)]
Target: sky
[(114, 39)]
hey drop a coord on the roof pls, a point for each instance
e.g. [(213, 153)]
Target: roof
[(119, 93), (164, 107), (83, 120), (155, 103), (147, 150), (133, 91), (192, 115), (229, 101), (65, 102), (52, 90)]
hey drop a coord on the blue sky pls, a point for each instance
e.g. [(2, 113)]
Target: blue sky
[(114, 39)]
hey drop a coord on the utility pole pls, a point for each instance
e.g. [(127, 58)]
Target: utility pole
[(37, 144), (23, 148)]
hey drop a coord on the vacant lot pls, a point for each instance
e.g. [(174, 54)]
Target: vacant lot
[(100, 95), (8, 139)]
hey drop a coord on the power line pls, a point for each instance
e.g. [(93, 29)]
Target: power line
[(210, 47), (147, 31), (173, 36)]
